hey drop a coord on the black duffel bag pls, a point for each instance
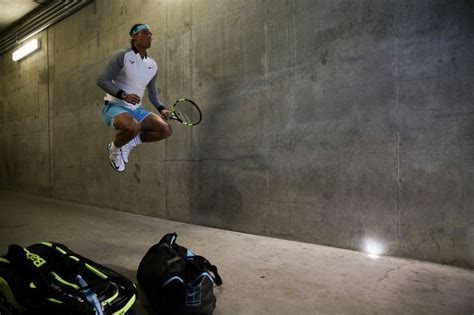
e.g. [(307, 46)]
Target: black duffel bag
[(176, 281)]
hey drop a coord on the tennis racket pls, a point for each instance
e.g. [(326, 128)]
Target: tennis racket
[(186, 112)]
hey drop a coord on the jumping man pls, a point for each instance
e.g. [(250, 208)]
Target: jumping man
[(124, 79)]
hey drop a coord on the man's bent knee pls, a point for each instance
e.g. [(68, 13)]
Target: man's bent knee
[(127, 123), (167, 131), (134, 128)]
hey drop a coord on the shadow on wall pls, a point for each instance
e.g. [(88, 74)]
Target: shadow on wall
[(215, 196)]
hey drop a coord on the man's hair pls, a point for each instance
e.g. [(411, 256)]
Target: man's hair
[(131, 31)]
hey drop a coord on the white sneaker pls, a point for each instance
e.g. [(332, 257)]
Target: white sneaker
[(116, 159), (125, 150)]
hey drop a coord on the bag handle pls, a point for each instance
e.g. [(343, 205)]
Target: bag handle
[(170, 239), (211, 267)]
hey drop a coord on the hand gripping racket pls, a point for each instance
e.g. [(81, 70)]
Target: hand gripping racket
[(186, 112)]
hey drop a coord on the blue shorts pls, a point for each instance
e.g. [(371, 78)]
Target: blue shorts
[(110, 110)]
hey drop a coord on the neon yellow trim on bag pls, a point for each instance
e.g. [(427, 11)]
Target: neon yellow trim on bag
[(110, 300), (113, 297), (51, 245), (97, 272), (8, 294), (55, 301), (4, 260), (47, 244), (32, 285), (94, 270), (124, 309), (55, 275), (61, 250)]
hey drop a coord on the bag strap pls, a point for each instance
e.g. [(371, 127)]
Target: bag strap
[(211, 267), (169, 239), (173, 260)]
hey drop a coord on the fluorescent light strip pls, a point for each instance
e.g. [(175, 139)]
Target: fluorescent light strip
[(26, 49)]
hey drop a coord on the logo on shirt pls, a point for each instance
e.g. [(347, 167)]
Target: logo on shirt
[(132, 61), (150, 67)]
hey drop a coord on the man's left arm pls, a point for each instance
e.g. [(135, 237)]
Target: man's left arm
[(154, 96)]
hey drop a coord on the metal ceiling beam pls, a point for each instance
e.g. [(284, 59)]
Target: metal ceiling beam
[(38, 21)]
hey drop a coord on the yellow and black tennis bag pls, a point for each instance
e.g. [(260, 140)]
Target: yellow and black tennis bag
[(48, 278)]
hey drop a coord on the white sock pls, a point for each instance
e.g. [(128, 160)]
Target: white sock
[(114, 148), (136, 141)]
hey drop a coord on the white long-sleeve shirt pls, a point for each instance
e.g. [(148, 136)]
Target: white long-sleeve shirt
[(128, 72)]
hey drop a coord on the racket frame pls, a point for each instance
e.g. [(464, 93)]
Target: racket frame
[(175, 117)]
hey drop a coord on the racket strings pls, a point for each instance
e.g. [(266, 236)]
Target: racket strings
[(187, 112)]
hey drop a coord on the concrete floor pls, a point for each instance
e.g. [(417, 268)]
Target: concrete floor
[(261, 275)]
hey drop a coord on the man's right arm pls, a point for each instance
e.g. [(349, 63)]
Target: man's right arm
[(113, 68)]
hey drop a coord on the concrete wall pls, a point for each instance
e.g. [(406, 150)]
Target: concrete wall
[(333, 122), (24, 123)]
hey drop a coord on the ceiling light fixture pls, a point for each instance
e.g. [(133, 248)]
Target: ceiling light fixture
[(26, 49)]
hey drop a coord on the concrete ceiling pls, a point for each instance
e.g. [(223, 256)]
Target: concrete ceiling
[(14, 10), (21, 19)]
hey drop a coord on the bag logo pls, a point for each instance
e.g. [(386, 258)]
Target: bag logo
[(37, 260), (193, 295)]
